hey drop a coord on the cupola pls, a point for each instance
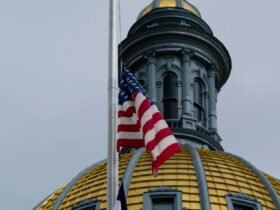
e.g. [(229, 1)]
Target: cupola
[(182, 66)]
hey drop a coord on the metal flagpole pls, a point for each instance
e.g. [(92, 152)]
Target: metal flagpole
[(112, 157)]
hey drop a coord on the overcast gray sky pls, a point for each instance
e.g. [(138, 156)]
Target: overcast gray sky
[(53, 88)]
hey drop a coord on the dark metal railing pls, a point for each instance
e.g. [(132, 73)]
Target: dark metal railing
[(174, 123)]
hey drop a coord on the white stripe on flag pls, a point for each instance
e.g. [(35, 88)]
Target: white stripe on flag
[(139, 100), (162, 145), (126, 105), (150, 135), (128, 120), (148, 114), (130, 135)]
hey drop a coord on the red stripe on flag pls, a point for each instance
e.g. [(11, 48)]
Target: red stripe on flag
[(136, 143), (128, 113), (160, 135), (150, 124), (166, 154), (143, 107), (130, 128)]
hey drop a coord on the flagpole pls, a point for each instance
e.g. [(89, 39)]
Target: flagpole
[(112, 157)]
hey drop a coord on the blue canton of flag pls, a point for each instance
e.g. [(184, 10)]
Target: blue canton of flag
[(128, 85)]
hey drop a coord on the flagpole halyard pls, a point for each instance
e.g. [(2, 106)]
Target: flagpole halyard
[(112, 156)]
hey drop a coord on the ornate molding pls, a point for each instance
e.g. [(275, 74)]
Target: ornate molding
[(163, 189), (212, 71), (86, 203), (151, 57), (179, 83), (158, 84), (205, 93), (168, 66), (242, 196), (187, 55)]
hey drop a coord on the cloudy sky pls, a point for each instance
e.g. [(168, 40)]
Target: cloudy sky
[(53, 88)]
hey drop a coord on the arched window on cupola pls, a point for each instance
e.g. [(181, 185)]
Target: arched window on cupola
[(170, 96), (199, 102)]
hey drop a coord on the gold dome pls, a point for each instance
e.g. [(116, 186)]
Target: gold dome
[(224, 175), (169, 4)]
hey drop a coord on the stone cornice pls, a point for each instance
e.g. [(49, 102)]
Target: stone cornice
[(172, 40)]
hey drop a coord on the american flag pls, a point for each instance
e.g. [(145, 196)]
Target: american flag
[(141, 124)]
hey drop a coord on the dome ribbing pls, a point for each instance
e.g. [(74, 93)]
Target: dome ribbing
[(224, 174)]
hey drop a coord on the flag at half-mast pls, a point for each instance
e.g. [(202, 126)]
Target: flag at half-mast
[(140, 124)]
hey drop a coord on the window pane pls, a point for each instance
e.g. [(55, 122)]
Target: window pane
[(85, 207), (242, 207), (163, 204), (197, 113), (169, 86), (198, 102), (198, 97), (88, 208), (170, 109), (170, 104)]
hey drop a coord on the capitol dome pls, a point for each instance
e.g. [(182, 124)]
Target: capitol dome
[(182, 66), (228, 179)]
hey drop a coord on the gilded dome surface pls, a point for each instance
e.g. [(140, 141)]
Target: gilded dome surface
[(225, 175), (183, 4)]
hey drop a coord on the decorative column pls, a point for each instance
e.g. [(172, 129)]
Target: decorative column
[(187, 94), (159, 94), (179, 86), (212, 100), (151, 79), (206, 96)]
